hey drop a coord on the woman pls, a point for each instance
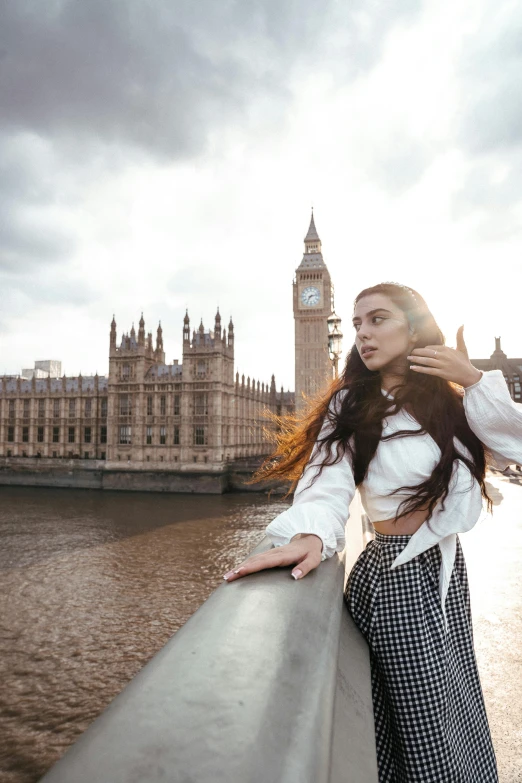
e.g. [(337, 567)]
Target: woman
[(410, 423)]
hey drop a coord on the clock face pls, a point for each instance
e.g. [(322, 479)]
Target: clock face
[(310, 296)]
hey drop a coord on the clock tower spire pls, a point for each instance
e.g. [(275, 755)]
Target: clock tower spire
[(312, 292), (312, 241)]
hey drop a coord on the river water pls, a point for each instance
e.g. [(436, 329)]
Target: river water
[(92, 585)]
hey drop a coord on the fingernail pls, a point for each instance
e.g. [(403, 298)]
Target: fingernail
[(297, 573), (235, 571)]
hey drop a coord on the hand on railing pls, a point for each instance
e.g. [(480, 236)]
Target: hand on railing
[(304, 549)]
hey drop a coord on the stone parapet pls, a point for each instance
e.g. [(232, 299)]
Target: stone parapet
[(269, 680)]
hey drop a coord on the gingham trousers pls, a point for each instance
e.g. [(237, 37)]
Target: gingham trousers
[(430, 719)]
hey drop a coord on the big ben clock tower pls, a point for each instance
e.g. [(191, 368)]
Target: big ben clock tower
[(312, 306)]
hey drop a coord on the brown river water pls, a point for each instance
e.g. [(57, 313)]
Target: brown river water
[(92, 585)]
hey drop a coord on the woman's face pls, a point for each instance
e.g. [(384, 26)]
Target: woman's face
[(383, 326)]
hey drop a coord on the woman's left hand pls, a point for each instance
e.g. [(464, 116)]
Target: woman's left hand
[(453, 364)]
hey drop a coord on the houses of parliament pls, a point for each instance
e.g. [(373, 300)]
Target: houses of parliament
[(192, 413), (144, 411), (197, 414)]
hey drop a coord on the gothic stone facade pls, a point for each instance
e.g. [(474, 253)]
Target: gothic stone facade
[(145, 412), (312, 298), (511, 369)]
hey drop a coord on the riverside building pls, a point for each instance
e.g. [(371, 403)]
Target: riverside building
[(312, 303), (511, 369), (145, 413)]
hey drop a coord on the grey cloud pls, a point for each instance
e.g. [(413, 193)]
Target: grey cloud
[(22, 246), (492, 199), (29, 236), (162, 76), (494, 121), (484, 188), (488, 126), (154, 76), (44, 297), (490, 117), (59, 289), (88, 86), (209, 280), (54, 287), (400, 164)]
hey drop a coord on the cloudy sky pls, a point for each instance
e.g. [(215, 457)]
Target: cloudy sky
[(162, 156)]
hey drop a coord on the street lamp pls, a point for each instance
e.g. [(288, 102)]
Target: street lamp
[(335, 340)]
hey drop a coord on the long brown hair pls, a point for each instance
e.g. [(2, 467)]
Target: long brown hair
[(435, 403)]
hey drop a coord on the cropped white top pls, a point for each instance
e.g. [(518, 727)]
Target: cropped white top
[(322, 508)]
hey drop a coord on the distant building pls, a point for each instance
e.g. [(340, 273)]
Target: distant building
[(312, 299), (49, 368), (146, 411), (511, 369)]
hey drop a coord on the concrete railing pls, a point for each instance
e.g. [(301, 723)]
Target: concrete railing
[(267, 682)]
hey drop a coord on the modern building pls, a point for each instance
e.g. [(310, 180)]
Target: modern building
[(312, 297), (49, 368), (145, 412)]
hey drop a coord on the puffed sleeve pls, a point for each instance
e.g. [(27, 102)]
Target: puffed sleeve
[(321, 508), (495, 418)]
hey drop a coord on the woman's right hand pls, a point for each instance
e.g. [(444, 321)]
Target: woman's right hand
[(304, 549)]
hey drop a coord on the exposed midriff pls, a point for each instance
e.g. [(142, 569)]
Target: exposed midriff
[(405, 526)]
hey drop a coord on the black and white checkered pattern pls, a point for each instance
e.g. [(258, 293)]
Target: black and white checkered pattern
[(430, 719)]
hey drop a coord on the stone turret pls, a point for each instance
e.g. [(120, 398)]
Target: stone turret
[(141, 332), (113, 335)]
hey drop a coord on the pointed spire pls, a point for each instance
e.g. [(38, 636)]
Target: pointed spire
[(230, 333), (313, 257), (186, 328), (141, 332), (498, 349), (312, 235), (159, 338), (113, 334)]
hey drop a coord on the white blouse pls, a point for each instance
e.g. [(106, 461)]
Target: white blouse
[(323, 508)]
